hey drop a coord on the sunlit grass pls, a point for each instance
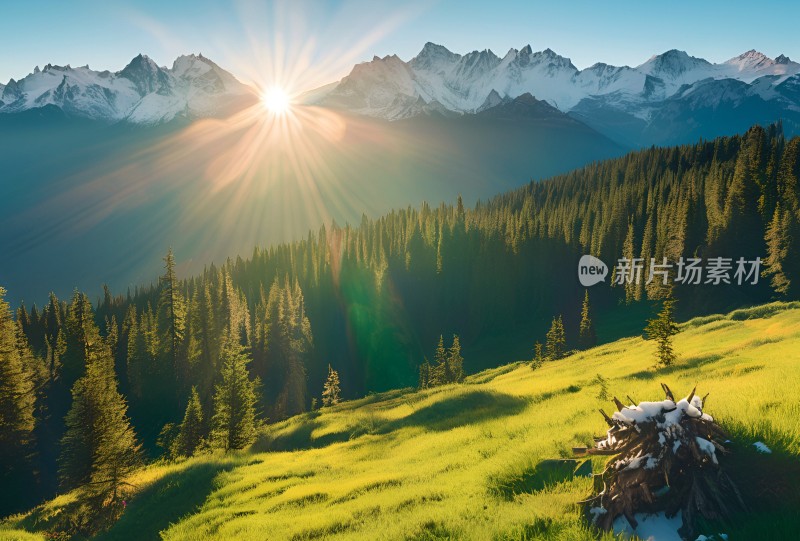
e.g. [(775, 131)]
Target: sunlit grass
[(433, 464)]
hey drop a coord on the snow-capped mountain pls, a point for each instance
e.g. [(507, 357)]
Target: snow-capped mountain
[(385, 87), (636, 106), (141, 93), (393, 89)]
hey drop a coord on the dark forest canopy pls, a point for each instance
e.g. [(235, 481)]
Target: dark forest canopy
[(371, 300)]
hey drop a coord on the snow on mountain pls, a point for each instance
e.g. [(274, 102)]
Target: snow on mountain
[(790, 91), (492, 100), (385, 85), (142, 92), (391, 88), (752, 65), (677, 67), (618, 101)]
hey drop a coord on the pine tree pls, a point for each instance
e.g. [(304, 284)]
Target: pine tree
[(782, 264), (282, 341), (633, 291), (424, 375), (331, 390), (438, 371), (661, 329), (55, 339), (99, 448), (602, 391), (455, 362), (172, 321), (538, 356), (234, 419), (586, 334), (556, 341), (190, 433), (17, 408)]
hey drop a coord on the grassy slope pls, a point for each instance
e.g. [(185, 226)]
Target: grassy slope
[(459, 462)]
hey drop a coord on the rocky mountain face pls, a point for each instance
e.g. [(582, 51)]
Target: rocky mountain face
[(141, 93), (671, 98), (636, 106)]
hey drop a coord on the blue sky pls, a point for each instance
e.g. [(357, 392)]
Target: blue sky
[(252, 37)]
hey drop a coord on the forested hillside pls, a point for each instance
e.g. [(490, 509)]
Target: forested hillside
[(372, 300)]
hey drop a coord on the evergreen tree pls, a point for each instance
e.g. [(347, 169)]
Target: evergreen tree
[(282, 341), (331, 390), (55, 339), (17, 408), (446, 267), (632, 284), (455, 362), (602, 391), (99, 448), (538, 356), (172, 321), (782, 264), (234, 419), (190, 433), (661, 329), (424, 381), (556, 341), (586, 334), (438, 371)]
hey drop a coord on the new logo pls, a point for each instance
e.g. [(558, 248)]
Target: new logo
[(591, 271)]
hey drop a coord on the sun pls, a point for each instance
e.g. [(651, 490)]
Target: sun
[(276, 100)]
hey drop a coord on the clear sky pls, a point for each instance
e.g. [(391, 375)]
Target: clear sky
[(260, 39)]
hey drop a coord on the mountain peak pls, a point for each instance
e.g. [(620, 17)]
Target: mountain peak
[(751, 56), (526, 97), (140, 61), (146, 76), (672, 63), (431, 48), (523, 106), (492, 100), (751, 61), (782, 59), (433, 56)]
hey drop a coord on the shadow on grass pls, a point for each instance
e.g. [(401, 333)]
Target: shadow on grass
[(165, 502), (535, 478), (680, 366), (767, 482), (298, 438), (433, 531), (462, 409), (539, 528)]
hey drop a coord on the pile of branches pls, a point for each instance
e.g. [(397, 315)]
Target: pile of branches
[(666, 461)]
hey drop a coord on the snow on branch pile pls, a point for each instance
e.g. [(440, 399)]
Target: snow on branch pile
[(666, 460)]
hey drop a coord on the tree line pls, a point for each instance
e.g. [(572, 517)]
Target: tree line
[(370, 298)]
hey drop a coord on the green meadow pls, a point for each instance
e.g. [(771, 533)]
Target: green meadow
[(466, 461)]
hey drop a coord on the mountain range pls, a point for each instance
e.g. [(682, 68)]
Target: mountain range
[(101, 165), (141, 93), (671, 98)]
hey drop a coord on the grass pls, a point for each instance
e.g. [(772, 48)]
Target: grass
[(475, 461)]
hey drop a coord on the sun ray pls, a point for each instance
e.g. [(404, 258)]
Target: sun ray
[(276, 100)]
